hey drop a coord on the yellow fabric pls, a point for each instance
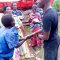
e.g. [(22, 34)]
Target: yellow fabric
[(24, 47)]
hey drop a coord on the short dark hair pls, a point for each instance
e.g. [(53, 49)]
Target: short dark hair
[(4, 8), (7, 20)]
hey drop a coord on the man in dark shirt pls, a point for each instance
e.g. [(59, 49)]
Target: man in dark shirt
[(50, 29)]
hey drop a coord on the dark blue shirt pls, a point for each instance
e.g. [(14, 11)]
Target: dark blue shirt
[(8, 41), (50, 23), (17, 12)]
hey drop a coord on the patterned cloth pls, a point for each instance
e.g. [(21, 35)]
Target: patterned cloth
[(17, 12), (23, 48), (18, 24), (34, 26)]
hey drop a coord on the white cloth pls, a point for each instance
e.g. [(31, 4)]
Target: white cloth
[(1, 14)]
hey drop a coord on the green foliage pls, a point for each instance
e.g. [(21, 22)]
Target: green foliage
[(56, 5), (1, 9)]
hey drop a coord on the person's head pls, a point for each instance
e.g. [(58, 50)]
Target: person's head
[(8, 21), (14, 5), (34, 8), (7, 10), (42, 3)]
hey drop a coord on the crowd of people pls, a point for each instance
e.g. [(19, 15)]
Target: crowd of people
[(43, 31)]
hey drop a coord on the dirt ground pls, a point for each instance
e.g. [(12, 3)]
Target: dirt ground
[(41, 55)]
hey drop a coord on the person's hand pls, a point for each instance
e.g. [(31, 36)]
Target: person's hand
[(30, 35), (24, 38), (34, 33)]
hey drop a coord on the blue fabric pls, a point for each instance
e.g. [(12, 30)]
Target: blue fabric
[(35, 25), (16, 12), (50, 54), (3, 59), (8, 41), (50, 24), (12, 38)]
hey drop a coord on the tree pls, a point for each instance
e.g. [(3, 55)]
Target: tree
[(56, 5)]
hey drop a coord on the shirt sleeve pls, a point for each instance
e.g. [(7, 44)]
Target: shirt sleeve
[(20, 12), (47, 23), (12, 40)]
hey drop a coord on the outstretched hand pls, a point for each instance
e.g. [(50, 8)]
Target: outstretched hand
[(30, 35), (24, 38)]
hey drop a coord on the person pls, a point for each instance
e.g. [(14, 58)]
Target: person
[(39, 10), (7, 10), (35, 24), (24, 51), (15, 10), (50, 30), (8, 37)]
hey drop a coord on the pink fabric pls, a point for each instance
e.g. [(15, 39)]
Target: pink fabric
[(35, 40), (33, 16), (16, 55)]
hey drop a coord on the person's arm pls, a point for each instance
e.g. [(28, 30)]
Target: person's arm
[(20, 43), (20, 12), (39, 16), (32, 34), (23, 30), (46, 28), (11, 40), (22, 40), (45, 36)]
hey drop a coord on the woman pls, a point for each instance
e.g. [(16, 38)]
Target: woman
[(24, 51), (35, 24)]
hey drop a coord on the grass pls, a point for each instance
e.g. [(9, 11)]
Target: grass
[(27, 29)]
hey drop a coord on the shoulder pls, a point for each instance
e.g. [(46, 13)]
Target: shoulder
[(51, 12), (51, 15), (2, 31), (13, 11), (19, 11), (12, 31)]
